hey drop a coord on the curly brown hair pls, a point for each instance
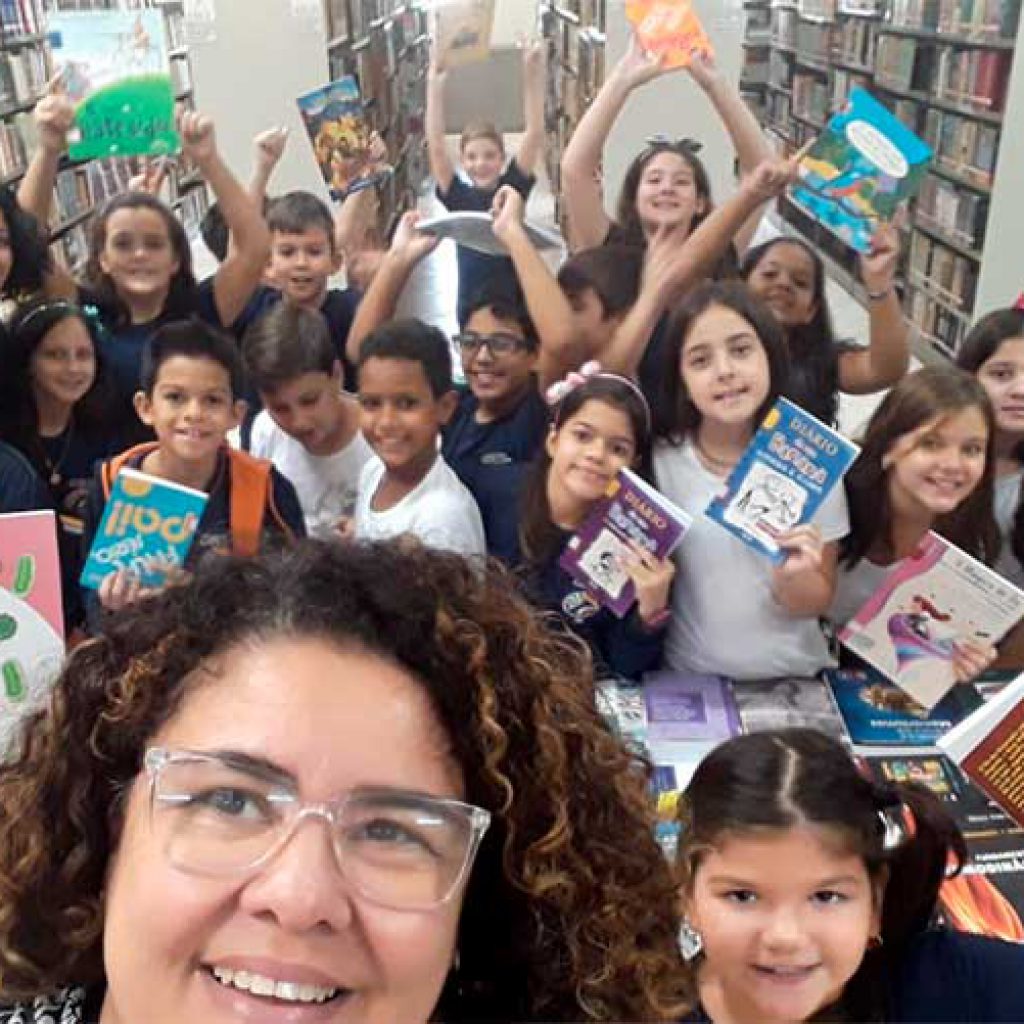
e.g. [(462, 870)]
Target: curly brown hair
[(570, 867)]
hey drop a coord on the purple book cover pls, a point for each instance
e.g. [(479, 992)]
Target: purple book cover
[(683, 707), (631, 510)]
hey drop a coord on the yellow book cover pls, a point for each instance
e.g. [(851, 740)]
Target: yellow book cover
[(670, 29)]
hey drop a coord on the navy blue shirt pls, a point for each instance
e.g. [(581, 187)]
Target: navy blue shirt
[(22, 489), (491, 459), (477, 267)]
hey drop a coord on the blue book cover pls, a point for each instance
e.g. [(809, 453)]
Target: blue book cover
[(787, 471), (860, 169), (147, 528), (879, 713)]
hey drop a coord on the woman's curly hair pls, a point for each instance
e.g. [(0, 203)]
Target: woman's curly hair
[(570, 912)]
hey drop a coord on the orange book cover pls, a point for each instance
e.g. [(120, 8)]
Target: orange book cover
[(670, 29), (996, 764)]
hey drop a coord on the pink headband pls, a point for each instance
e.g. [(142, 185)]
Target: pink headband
[(591, 370)]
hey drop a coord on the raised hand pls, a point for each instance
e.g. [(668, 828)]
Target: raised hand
[(269, 146), (409, 243), (507, 209), (637, 67), (878, 266), (198, 141), (54, 116), (703, 69)]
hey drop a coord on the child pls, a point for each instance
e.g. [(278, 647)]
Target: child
[(406, 397), (601, 425), (725, 366), (808, 893), (24, 256), (994, 352), (191, 376), (309, 427), (926, 462), (482, 152), (21, 488), (789, 276)]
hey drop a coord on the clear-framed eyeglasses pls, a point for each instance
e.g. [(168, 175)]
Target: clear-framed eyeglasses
[(222, 816), (499, 344)]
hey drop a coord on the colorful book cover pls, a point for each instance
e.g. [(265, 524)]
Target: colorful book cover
[(861, 168), (147, 528), (879, 713), (621, 702), (631, 511), (933, 600), (31, 615), (788, 703), (115, 70), (688, 708), (341, 137), (789, 468), (462, 31), (670, 29)]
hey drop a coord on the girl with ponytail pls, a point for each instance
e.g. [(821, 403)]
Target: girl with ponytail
[(809, 893)]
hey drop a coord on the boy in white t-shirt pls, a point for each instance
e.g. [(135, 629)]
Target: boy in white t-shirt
[(309, 426), (406, 397)]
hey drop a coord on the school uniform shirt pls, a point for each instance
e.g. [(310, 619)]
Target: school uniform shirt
[(854, 586), (1007, 500), (492, 459), (620, 647), (22, 489), (327, 485), (439, 510), (476, 267), (722, 589)]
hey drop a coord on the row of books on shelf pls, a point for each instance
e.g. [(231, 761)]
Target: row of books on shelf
[(814, 41), (810, 98), (352, 19), (854, 42), (17, 143), (955, 212), (975, 18), (18, 18), (962, 145), (939, 324), (23, 73), (937, 268)]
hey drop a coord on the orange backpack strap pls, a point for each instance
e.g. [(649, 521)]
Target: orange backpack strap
[(110, 468), (250, 498)]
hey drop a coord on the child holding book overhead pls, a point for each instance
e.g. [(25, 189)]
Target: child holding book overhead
[(483, 159), (809, 893), (726, 364), (926, 463), (994, 352), (600, 424)]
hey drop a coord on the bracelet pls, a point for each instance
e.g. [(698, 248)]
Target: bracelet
[(878, 296), (657, 620)]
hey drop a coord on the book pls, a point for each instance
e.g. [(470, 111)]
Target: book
[(341, 137), (462, 31), (631, 511), (147, 528), (681, 707), (31, 616), (860, 169), (989, 746), (933, 600), (475, 230), (879, 713), (115, 69), (790, 466), (787, 703), (669, 28)]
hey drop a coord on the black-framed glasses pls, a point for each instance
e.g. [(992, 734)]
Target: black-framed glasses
[(497, 344), (398, 849)]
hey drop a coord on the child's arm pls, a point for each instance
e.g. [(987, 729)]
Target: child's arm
[(546, 303), (887, 355), (239, 275), (357, 215), (534, 71), (377, 306), (441, 166), (581, 189), (805, 583), (268, 149)]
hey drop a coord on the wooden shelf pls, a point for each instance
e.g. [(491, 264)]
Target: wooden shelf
[(934, 231), (947, 38)]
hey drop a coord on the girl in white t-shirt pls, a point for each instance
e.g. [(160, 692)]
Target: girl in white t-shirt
[(994, 353), (734, 612), (925, 464)]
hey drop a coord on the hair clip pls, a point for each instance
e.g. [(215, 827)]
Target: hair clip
[(1019, 304), (571, 381), (898, 825), (660, 139)]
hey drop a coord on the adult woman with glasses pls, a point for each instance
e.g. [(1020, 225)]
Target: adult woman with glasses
[(341, 783)]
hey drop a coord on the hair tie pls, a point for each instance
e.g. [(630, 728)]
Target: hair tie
[(659, 140), (1019, 304), (591, 370)]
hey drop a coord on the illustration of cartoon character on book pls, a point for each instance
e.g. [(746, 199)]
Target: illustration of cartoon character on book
[(768, 502)]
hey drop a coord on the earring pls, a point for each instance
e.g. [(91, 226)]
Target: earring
[(691, 945), (875, 941)]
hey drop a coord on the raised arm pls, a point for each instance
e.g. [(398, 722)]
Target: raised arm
[(581, 189), (268, 148), (887, 356), (441, 166), (534, 72), (237, 277), (357, 214)]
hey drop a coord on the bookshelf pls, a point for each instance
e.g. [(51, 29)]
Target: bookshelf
[(944, 68), (383, 44)]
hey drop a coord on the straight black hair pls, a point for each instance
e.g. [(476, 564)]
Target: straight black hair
[(506, 301), (191, 339), (30, 253), (417, 342), (299, 211)]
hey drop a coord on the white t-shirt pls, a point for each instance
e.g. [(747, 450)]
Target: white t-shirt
[(725, 619), (327, 485), (439, 510), (1007, 498), (854, 586)]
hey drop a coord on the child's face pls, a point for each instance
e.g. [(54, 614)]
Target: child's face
[(309, 408), (6, 253), (936, 467), (724, 368), (191, 408), (400, 417), (784, 279), (589, 320), (138, 255), (1002, 376), (496, 380), (589, 449), (301, 264), (666, 195), (785, 919), (63, 365), (483, 161)]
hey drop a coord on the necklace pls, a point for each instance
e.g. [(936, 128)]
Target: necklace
[(712, 462), (53, 466)]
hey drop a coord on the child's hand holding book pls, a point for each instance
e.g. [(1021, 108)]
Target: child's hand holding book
[(652, 579), (508, 210)]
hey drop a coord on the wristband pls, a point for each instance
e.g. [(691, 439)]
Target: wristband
[(878, 296), (657, 620)]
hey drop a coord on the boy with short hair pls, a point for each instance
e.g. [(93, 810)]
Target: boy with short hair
[(406, 397), (309, 426), (191, 378)]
